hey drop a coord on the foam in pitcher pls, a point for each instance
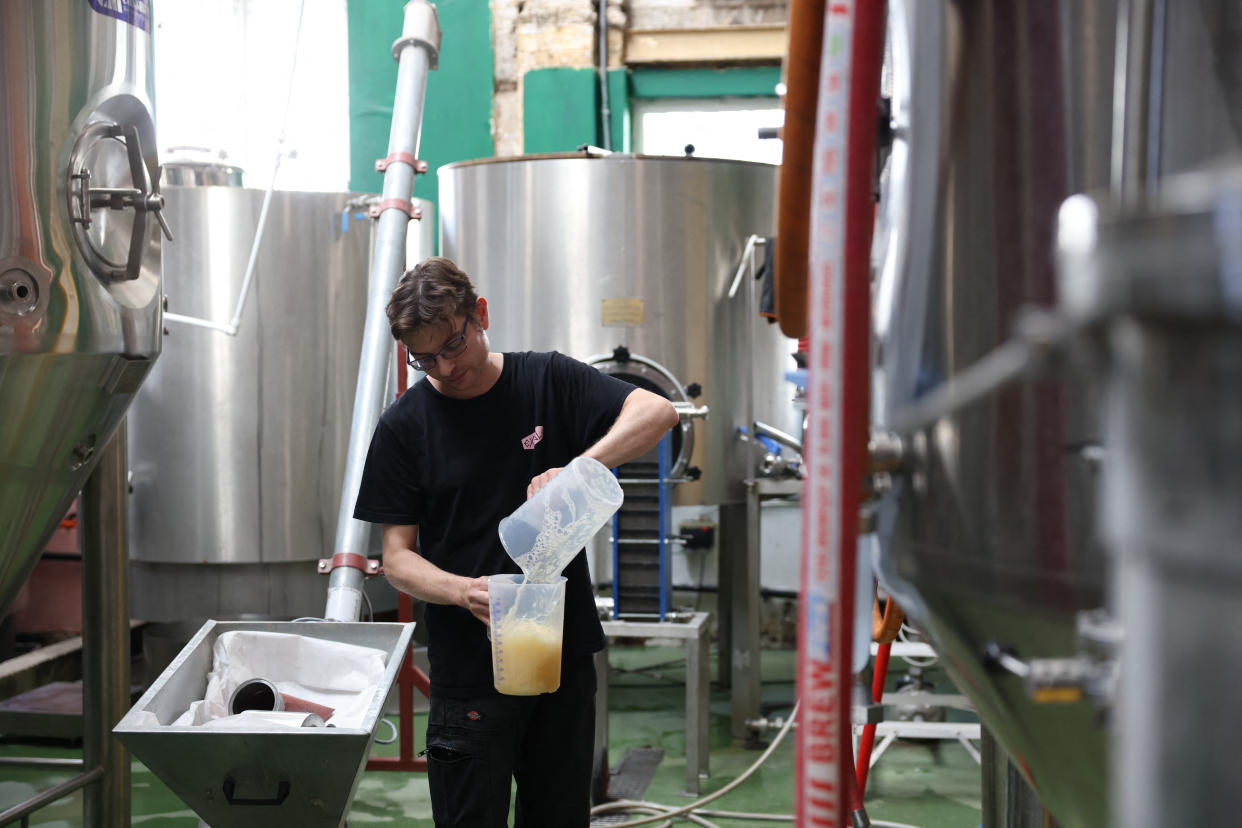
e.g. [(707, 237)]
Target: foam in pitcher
[(550, 554), (569, 519)]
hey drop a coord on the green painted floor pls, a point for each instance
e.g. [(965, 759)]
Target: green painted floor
[(931, 785)]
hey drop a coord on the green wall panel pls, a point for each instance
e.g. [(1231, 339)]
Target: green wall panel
[(735, 81), (619, 104), (458, 110), (560, 109)]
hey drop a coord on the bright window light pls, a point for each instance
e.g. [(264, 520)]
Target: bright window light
[(717, 127), (224, 78)]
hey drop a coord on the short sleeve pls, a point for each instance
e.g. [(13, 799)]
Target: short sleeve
[(592, 398), (389, 491)]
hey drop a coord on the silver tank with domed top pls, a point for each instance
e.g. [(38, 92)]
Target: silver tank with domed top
[(632, 263), (644, 266), (242, 494)]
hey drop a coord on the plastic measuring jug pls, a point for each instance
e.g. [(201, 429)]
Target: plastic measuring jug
[(544, 533), (527, 622)]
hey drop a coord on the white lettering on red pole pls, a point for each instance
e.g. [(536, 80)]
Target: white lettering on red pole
[(819, 798)]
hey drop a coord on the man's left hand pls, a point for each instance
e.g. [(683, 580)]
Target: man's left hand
[(539, 481)]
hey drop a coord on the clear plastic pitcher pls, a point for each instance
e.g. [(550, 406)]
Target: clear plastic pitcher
[(527, 622), (546, 531)]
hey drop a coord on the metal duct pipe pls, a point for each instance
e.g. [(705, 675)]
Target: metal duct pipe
[(417, 51)]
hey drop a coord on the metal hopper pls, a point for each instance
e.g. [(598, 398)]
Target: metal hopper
[(304, 777)]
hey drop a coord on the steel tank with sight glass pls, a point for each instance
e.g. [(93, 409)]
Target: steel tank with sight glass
[(1001, 111), (628, 261), (232, 507), (80, 246)]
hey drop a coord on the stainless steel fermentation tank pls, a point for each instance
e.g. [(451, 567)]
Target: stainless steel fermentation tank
[(80, 247), (79, 255), (1002, 110), (589, 255), (238, 443)]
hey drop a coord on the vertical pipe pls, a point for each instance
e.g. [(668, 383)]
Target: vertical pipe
[(105, 635), (1132, 69), (417, 52), (604, 111), (744, 595), (729, 538), (1155, 92)]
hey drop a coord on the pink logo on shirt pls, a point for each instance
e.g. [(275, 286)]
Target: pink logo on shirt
[(529, 441)]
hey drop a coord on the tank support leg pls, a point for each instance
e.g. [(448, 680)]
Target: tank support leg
[(105, 635)]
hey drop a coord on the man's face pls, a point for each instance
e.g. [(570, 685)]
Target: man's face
[(454, 354)]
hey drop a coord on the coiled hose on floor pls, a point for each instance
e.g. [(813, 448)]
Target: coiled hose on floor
[(665, 814)]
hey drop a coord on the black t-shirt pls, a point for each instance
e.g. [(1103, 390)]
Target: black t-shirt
[(456, 467)]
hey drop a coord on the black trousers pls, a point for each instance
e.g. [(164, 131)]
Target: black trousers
[(476, 747)]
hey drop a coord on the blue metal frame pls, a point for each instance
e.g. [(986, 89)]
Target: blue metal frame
[(666, 571), (665, 500), (616, 555)]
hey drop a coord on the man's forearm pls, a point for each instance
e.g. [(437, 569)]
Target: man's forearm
[(645, 418), (414, 575)]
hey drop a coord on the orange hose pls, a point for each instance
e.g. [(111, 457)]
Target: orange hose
[(793, 206), (886, 625)]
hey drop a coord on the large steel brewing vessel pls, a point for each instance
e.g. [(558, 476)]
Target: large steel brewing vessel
[(237, 442), (1002, 110), (628, 261), (79, 254)]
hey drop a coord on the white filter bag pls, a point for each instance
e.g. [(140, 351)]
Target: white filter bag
[(345, 677)]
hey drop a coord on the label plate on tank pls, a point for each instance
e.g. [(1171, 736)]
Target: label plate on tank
[(625, 312)]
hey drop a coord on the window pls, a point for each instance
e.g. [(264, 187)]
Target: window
[(223, 82), (717, 127)]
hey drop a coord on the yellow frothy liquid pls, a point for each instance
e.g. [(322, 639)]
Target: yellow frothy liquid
[(526, 659)]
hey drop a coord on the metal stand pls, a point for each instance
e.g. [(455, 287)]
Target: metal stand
[(965, 733), (740, 601), (105, 651), (698, 682), (1008, 800), (409, 679)]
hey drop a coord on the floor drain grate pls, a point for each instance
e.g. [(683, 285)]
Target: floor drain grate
[(629, 781)]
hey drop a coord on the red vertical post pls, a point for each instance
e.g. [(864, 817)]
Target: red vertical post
[(842, 219)]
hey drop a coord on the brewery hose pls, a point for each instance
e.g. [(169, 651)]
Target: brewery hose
[(667, 812), (664, 814)]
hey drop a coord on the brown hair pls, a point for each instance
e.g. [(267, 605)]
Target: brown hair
[(432, 291)]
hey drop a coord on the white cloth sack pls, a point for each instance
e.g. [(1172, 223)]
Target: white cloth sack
[(345, 677)]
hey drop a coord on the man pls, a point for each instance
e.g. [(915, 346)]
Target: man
[(461, 449)]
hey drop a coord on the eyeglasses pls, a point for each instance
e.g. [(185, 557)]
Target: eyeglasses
[(454, 349)]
